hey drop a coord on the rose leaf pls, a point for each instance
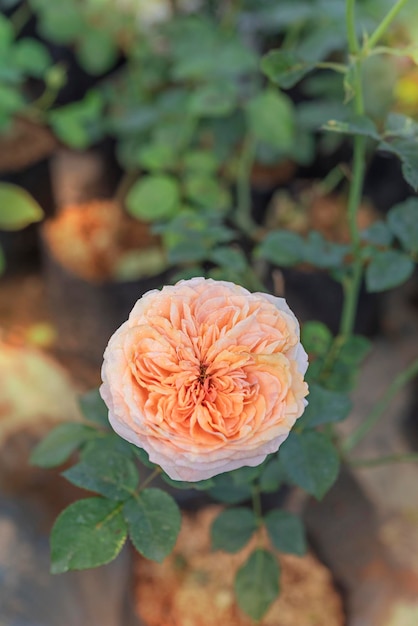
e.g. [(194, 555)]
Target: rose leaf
[(153, 519), (286, 532), (232, 529), (88, 533), (257, 583), (108, 472), (311, 461), (60, 443)]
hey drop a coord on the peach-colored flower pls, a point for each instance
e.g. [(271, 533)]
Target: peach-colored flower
[(206, 377)]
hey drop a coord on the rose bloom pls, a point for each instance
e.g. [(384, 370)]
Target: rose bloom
[(206, 377)]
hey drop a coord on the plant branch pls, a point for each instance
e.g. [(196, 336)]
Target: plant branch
[(397, 384), (385, 23), (328, 65), (383, 460), (20, 17), (149, 479), (353, 282), (351, 26)]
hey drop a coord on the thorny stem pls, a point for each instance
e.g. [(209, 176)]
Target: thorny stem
[(397, 384)]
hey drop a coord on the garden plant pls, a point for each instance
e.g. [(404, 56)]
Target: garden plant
[(206, 383)]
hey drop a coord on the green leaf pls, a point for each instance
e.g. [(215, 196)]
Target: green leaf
[(356, 125), (6, 34), (257, 583), (175, 132), (60, 443), (232, 258), (313, 114), (88, 533), (157, 157), (403, 222), (96, 52), (378, 234), (153, 198), (407, 151), (154, 520), (17, 208), (388, 269), (107, 472), (245, 475), (354, 350), (272, 476), (60, 23), (227, 491), (200, 485), (203, 51), (142, 456), (93, 407), (232, 529), (281, 247), (11, 100), (322, 253), (207, 192), (271, 119), (32, 57), (200, 161), (2, 261), (284, 68), (316, 338), (400, 126), (213, 100), (311, 461), (286, 532), (76, 124), (110, 441), (324, 407)]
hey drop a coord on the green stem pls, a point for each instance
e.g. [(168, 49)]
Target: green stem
[(351, 295), (44, 102), (352, 285), (400, 381), (351, 26), (385, 23), (331, 180), (150, 478), (383, 460), (328, 65), (20, 17)]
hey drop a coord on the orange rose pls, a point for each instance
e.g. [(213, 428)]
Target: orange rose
[(206, 377)]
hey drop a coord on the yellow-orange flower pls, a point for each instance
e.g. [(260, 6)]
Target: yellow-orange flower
[(206, 377)]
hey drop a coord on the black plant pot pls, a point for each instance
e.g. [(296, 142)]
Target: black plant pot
[(21, 248), (315, 295), (85, 313)]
